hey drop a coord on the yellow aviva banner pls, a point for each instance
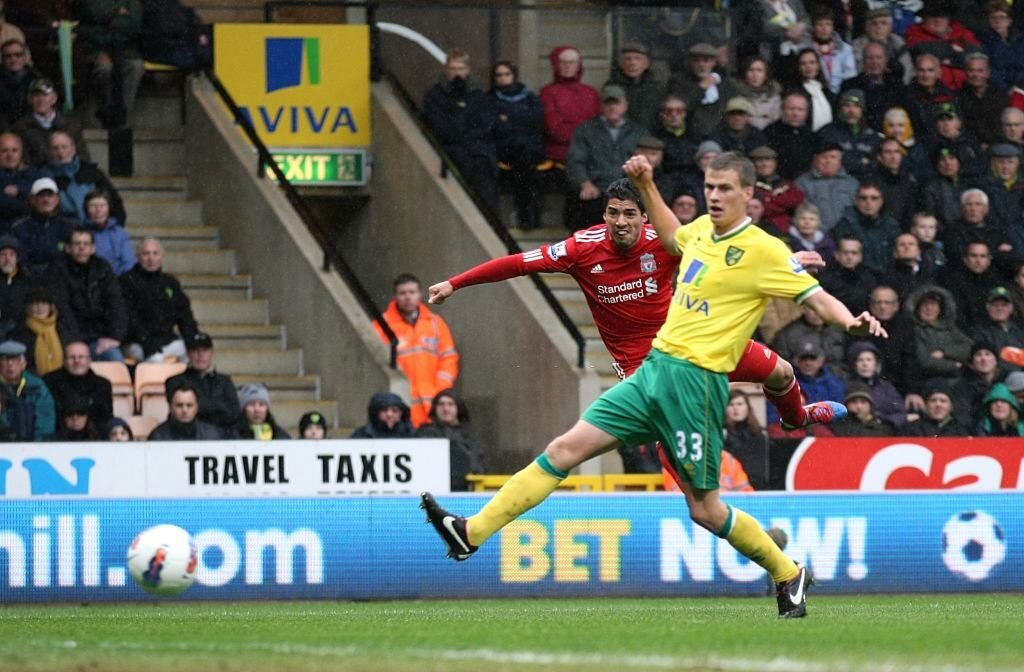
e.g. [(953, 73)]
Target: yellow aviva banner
[(300, 85)]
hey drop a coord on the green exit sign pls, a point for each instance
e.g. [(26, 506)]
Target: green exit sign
[(322, 167)]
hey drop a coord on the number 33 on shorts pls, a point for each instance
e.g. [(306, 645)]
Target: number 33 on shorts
[(694, 452)]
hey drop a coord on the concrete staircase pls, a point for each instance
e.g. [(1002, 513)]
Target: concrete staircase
[(248, 346)]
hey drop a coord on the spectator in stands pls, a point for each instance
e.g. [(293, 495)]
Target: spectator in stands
[(118, 430), (980, 100), (27, 404), (1002, 414), (313, 426), (949, 133), (183, 423), (112, 241), (684, 205), (160, 319), (599, 148), (772, 23), (218, 400), (941, 194), (75, 424), (43, 119), (791, 135), (848, 279), (745, 439), (16, 180), (567, 101), (14, 282), (864, 362), (907, 270), (837, 59), (735, 133), (925, 94), (878, 32), (426, 351), (42, 233), (827, 184), (1002, 326), (806, 235), (850, 131), (899, 351), (861, 419), (644, 89), (976, 379), (896, 124), (678, 137), (109, 43), (518, 128), (458, 112), (1016, 288), (257, 422), (762, 92), (9, 31), (809, 327), (76, 380), (977, 224), (76, 178), (1004, 186), (732, 477), (1011, 122), (16, 75), (1015, 384), (449, 419), (942, 349), (817, 380), (43, 331), (881, 87), (779, 195), (937, 419), (970, 281), (1004, 45), (810, 78), (945, 39), (704, 90), (94, 295), (925, 227), (899, 186), (387, 417)]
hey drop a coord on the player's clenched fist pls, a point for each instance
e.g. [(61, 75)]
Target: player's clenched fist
[(436, 294)]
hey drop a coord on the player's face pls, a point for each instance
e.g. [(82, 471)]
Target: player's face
[(624, 221), (726, 198)]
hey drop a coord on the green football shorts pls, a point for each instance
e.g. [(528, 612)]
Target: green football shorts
[(675, 402)]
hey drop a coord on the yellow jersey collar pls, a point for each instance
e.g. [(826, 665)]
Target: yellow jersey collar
[(736, 230)]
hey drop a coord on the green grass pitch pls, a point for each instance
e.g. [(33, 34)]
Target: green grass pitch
[(948, 633)]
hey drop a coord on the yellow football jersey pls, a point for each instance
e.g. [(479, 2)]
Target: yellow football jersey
[(724, 285)]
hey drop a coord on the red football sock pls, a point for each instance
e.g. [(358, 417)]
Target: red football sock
[(789, 403)]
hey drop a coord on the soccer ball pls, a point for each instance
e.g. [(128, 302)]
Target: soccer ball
[(162, 560), (973, 545)]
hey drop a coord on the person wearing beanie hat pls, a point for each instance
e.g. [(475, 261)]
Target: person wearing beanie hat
[(861, 419), (1002, 414), (312, 425), (977, 377), (118, 429), (864, 360), (937, 418), (642, 85), (75, 424), (257, 420)]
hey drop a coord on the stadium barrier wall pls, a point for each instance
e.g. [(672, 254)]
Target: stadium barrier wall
[(378, 547)]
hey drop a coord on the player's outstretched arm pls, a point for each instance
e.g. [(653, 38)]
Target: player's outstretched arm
[(664, 221), (833, 311), (436, 294)]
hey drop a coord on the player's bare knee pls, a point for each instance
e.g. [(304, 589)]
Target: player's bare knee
[(781, 375)]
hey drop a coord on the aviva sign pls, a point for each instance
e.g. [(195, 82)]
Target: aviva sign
[(299, 85)]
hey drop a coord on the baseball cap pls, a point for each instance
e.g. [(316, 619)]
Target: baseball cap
[(738, 104), (947, 111), (41, 85), (43, 184), (200, 339), (809, 349), (855, 96), (998, 294), (826, 145), (613, 92)]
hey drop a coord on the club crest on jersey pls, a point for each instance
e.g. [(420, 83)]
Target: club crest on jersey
[(733, 255), (647, 263), (557, 250)]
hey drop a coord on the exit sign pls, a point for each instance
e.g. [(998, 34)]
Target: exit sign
[(322, 167)]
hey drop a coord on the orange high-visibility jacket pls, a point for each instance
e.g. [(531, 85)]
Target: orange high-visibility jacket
[(426, 354), (731, 476)]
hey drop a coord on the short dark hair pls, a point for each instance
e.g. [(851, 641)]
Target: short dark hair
[(738, 163), (82, 229), (97, 193), (623, 190), (404, 279), (181, 387)]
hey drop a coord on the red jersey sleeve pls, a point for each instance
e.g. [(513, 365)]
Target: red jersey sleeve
[(557, 257)]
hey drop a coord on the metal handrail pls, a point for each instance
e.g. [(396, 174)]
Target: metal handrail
[(332, 257)]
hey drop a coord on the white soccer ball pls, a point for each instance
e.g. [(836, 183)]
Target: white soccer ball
[(162, 560), (973, 545)]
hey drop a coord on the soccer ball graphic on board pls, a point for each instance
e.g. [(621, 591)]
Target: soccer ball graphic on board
[(162, 560), (973, 545)]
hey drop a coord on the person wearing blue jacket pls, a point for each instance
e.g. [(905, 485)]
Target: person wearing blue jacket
[(112, 241)]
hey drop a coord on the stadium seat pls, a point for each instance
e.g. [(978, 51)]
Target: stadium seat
[(149, 382), (121, 385), (141, 425), (154, 406)]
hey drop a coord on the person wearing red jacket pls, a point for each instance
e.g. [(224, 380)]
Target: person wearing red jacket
[(948, 40), (567, 101), (426, 350)]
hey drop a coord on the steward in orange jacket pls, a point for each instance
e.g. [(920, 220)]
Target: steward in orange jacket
[(426, 350)]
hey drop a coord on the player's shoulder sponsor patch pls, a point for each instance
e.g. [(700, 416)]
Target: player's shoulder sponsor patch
[(557, 250)]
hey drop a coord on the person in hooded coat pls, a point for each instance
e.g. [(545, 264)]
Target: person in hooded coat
[(567, 102), (449, 419), (387, 417)]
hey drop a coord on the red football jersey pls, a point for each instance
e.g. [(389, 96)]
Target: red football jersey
[(628, 291)]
